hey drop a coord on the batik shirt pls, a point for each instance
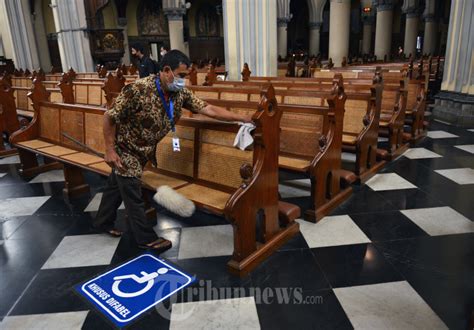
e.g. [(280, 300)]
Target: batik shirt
[(141, 122)]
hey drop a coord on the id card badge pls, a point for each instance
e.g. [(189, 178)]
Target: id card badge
[(176, 147)]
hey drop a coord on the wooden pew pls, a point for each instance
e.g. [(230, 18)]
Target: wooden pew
[(361, 117), (242, 186), (394, 98), (311, 138), (97, 93)]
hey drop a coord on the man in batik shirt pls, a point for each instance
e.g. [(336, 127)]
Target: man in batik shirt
[(143, 113)]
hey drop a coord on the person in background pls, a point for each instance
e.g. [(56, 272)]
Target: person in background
[(146, 66), (163, 51)]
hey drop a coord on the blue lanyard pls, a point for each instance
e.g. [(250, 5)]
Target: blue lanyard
[(168, 107)]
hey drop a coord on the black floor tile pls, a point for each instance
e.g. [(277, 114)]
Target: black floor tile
[(8, 225), (352, 265), (52, 291), (324, 312), (297, 242), (441, 270), (458, 197), (296, 268), (364, 200), (17, 190), (410, 199), (44, 227), (386, 226)]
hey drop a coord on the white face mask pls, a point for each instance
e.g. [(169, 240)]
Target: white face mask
[(177, 84), (163, 53)]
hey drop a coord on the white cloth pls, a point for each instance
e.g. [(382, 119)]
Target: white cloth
[(243, 138)]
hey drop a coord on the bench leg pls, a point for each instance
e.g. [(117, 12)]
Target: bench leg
[(248, 253), (30, 167), (74, 181)]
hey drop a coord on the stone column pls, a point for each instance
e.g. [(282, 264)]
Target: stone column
[(122, 22), (339, 24), (250, 36), (175, 24), (429, 42), (410, 9), (315, 23), (41, 38), (18, 35), (284, 17), (314, 37), (73, 40), (367, 34), (455, 102), (283, 37), (430, 36), (383, 28)]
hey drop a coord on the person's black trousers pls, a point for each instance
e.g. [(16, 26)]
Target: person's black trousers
[(128, 190)]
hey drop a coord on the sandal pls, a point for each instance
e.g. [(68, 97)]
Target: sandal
[(160, 245), (110, 231), (113, 232)]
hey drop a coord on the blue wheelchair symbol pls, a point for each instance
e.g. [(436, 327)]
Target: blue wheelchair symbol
[(127, 291)]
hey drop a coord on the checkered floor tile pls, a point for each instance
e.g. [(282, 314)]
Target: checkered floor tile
[(468, 148), (440, 135), (440, 220), (420, 153), (458, 175), (239, 313), (52, 176), (393, 305), (389, 181)]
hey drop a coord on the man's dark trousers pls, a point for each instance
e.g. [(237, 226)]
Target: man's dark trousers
[(128, 190)]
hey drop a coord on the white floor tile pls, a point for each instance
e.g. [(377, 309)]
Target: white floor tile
[(13, 207), (3, 174), (51, 176), (394, 305), (458, 175), (440, 135), (50, 321), (206, 241), (10, 160), (348, 157), (471, 130), (389, 181), (332, 231), (82, 251), (291, 189), (440, 220), (382, 139), (420, 153), (95, 203), (468, 147), (238, 313), (299, 183)]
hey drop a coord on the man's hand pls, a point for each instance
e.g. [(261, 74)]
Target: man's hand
[(112, 158), (225, 115), (247, 118)]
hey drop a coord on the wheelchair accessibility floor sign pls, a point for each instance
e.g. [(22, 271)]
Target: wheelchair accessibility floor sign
[(127, 291)]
